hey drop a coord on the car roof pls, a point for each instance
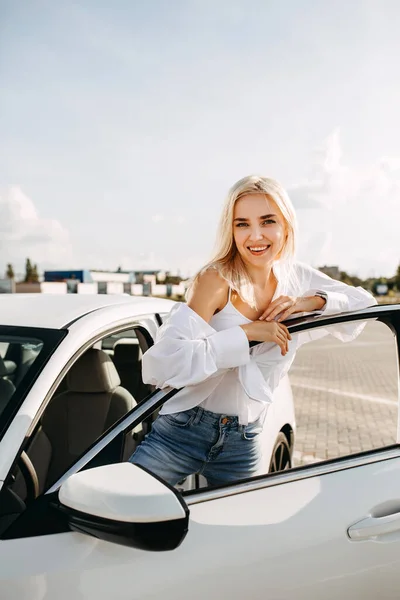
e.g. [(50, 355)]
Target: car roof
[(55, 311)]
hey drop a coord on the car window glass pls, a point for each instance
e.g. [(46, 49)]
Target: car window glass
[(17, 355), (345, 394), (3, 348)]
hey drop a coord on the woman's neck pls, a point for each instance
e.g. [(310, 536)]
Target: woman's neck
[(263, 277)]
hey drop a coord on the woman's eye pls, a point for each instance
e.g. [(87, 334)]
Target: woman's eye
[(265, 222)]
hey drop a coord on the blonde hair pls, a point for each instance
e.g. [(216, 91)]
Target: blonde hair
[(226, 258)]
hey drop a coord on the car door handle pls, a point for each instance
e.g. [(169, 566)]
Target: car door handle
[(374, 526)]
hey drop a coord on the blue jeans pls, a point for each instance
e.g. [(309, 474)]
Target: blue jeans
[(200, 441)]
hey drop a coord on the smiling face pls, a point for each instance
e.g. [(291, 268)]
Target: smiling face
[(258, 229)]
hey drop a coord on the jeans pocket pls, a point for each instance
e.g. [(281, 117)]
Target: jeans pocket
[(252, 430), (180, 419)]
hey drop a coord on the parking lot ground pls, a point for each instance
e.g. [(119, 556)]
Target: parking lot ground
[(345, 395)]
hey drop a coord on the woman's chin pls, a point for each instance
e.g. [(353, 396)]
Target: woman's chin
[(258, 261)]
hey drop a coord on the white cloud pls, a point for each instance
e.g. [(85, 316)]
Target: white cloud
[(23, 233), (349, 216)]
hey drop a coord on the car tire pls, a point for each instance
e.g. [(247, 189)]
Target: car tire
[(281, 458)]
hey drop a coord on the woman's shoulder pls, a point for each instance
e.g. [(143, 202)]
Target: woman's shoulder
[(208, 292), (210, 278)]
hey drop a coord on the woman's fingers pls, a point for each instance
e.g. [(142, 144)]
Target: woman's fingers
[(272, 306), (286, 330), (283, 336), (285, 314), (282, 341), (279, 309), (283, 306), (282, 344)]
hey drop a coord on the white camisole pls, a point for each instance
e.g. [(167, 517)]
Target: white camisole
[(229, 398)]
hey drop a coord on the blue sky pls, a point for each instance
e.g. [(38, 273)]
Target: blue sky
[(124, 123)]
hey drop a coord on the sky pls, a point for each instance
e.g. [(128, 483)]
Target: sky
[(123, 124)]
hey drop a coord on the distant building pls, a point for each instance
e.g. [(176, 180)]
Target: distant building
[(146, 276), (101, 282), (88, 276), (83, 276), (7, 286), (332, 271)]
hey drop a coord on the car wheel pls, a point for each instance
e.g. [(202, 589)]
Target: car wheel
[(281, 458)]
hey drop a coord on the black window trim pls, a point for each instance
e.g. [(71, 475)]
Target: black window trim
[(388, 314)]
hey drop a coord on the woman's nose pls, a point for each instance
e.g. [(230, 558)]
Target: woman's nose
[(256, 234)]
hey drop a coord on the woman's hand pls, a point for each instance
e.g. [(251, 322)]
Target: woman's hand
[(288, 305), (260, 331)]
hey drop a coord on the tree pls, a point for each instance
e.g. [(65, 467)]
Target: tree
[(28, 270), (35, 274), (350, 279), (10, 272), (31, 272)]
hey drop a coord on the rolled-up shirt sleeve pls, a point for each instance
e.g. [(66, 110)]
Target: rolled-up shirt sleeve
[(188, 351), (340, 296)]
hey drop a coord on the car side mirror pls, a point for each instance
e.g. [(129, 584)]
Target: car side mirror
[(126, 504)]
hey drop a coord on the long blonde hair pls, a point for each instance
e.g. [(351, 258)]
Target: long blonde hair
[(226, 258)]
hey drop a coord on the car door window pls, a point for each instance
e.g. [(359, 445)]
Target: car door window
[(345, 393)]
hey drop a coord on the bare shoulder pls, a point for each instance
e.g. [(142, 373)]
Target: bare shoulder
[(208, 294)]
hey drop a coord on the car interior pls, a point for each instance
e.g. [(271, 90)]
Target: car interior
[(100, 388), (16, 357)]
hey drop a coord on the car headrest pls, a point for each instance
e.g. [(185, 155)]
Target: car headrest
[(93, 372), (3, 368), (126, 352)]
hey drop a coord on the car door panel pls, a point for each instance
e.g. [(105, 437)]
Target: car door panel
[(286, 541), (295, 535)]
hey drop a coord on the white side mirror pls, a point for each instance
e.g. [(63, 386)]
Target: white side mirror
[(126, 504)]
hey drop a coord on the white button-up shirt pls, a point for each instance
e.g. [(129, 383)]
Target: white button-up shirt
[(189, 353)]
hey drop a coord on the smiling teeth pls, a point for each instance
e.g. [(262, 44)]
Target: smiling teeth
[(258, 249)]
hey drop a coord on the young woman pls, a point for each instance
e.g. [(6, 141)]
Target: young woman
[(244, 293)]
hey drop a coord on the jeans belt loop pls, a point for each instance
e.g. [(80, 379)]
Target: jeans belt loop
[(198, 415)]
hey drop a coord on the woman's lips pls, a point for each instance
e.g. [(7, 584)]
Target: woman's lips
[(258, 250)]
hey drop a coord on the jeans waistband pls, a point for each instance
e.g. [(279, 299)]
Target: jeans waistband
[(207, 416)]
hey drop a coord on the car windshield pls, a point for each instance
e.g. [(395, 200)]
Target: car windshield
[(23, 353)]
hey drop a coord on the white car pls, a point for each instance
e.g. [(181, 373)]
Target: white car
[(79, 521)]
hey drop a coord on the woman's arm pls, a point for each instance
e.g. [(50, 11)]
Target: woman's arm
[(339, 297), (187, 349)]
